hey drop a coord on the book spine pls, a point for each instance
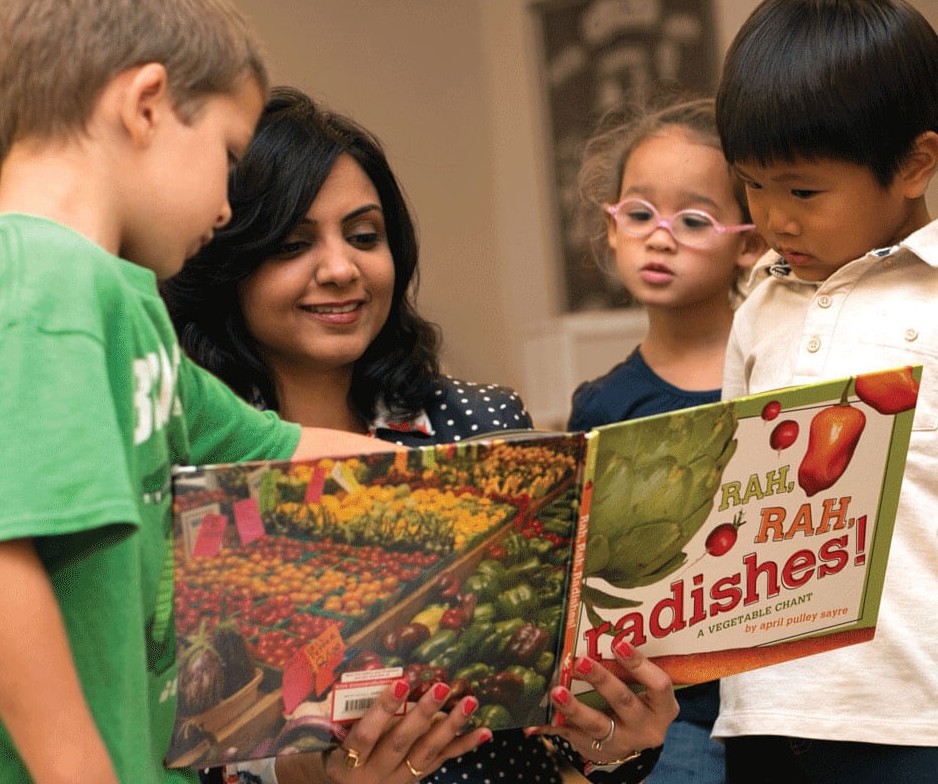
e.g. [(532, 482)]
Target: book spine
[(581, 534)]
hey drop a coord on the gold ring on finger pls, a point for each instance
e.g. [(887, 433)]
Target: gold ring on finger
[(416, 773), (597, 745), (352, 758)]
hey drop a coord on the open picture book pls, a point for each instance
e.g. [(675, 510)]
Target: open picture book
[(717, 539)]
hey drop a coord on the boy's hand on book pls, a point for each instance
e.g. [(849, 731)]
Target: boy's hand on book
[(387, 748), (635, 721)]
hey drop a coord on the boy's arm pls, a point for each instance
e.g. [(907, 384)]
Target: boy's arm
[(42, 705), (321, 442)]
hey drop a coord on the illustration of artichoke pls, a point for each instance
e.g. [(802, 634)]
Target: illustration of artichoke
[(653, 494)]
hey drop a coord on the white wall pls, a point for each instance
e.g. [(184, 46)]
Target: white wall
[(451, 87)]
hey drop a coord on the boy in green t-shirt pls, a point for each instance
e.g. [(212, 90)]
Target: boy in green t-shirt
[(119, 120)]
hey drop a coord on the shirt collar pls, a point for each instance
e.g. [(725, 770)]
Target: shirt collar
[(384, 421), (420, 423), (923, 243)]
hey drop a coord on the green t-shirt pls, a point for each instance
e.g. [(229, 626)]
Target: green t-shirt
[(97, 405)]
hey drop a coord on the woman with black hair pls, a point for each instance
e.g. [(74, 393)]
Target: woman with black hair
[(303, 304)]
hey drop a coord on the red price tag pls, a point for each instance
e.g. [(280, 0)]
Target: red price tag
[(325, 654), (248, 521), (312, 670), (316, 484), (211, 531), (297, 682)]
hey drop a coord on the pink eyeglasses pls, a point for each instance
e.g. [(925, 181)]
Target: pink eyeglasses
[(638, 218)]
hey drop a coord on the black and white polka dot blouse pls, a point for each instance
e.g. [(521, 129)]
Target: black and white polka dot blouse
[(456, 410), (511, 756)]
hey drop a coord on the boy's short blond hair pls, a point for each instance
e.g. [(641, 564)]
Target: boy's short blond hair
[(56, 56)]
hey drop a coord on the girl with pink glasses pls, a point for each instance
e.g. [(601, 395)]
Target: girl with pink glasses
[(670, 214)]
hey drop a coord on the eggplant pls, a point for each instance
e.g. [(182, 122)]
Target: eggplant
[(239, 669), (307, 733), (201, 678)]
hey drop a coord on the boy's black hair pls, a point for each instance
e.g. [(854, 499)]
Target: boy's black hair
[(851, 80)]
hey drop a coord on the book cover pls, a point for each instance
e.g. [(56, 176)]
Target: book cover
[(717, 538), (304, 588), (743, 533)]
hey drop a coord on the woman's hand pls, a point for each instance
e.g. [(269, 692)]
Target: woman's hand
[(384, 747), (637, 722)]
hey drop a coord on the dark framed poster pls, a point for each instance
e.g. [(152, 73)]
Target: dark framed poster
[(596, 54)]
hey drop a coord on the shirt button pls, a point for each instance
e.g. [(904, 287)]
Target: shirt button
[(911, 334), (814, 345), (824, 301)]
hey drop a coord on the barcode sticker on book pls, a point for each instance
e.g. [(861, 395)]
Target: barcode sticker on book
[(357, 692)]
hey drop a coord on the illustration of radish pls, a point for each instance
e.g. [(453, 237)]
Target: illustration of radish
[(784, 434), (720, 540), (771, 410)]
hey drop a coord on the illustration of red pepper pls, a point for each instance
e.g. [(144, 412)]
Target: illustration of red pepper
[(467, 602), (889, 392), (454, 618), (526, 644), (421, 677), (832, 439), (458, 688), (365, 660), (404, 639), (446, 585), (504, 688)]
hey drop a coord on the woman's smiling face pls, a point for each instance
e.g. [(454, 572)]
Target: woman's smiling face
[(323, 299)]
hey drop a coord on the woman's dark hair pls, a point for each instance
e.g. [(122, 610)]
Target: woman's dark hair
[(851, 80), (271, 189)]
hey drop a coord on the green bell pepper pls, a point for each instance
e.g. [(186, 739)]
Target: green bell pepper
[(492, 568), (540, 547), (484, 586), (545, 663), (549, 618), (517, 602), (516, 548), (474, 672), (494, 716), (534, 682), (527, 569), (552, 588), (439, 642), (484, 612)]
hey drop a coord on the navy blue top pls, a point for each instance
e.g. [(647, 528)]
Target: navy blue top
[(628, 391)]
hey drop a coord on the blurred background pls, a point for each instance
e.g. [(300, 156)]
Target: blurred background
[(482, 106)]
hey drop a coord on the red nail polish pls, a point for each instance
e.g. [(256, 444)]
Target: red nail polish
[(440, 691), (469, 706), (401, 689), (530, 731), (560, 695), (584, 665), (485, 736), (623, 649)]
